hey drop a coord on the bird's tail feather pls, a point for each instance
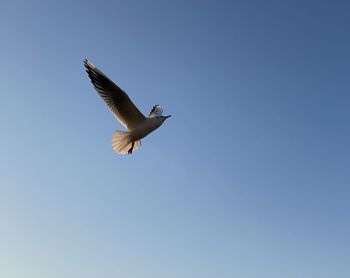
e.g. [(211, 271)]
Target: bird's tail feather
[(121, 142)]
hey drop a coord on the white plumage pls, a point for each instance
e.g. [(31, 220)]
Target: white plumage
[(125, 111)]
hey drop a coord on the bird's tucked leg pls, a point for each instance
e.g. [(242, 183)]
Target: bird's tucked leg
[(132, 146)]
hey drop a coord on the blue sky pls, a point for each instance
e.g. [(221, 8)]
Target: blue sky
[(249, 178)]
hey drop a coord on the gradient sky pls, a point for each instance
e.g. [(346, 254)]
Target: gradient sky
[(249, 178)]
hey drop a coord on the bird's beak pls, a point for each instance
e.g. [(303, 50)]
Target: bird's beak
[(167, 116)]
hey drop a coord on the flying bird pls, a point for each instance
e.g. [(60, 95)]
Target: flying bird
[(125, 111)]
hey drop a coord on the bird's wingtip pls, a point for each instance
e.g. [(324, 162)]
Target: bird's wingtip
[(88, 64)]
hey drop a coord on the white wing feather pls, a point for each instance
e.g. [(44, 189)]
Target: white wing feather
[(156, 111)]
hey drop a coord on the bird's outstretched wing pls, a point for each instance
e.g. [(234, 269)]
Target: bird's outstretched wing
[(156, 111), (116, 99)]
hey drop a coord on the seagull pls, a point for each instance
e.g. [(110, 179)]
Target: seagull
[(125, 111)]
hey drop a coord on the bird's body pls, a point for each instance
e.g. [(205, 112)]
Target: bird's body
[(125, 111), (146, 128)]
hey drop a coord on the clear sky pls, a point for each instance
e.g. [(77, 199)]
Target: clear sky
[(249, 178)]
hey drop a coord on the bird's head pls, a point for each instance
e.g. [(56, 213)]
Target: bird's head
[(163, 118)]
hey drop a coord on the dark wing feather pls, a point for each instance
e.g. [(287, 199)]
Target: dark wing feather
[(116, 99)]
